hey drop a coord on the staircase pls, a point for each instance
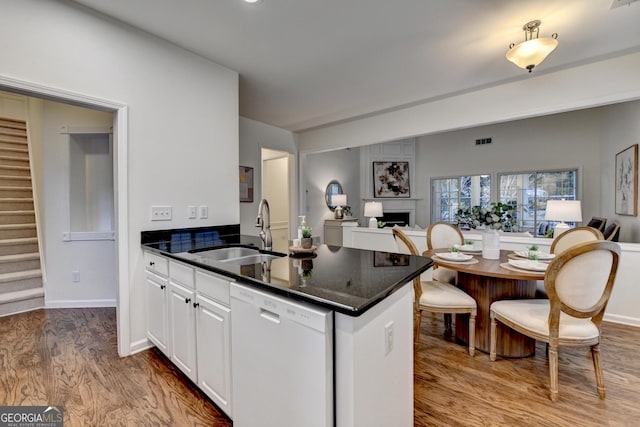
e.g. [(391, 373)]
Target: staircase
[(20, 274)]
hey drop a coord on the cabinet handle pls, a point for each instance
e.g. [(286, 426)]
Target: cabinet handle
[(196, 304), (163, 286), (151, 263), (187, 300)]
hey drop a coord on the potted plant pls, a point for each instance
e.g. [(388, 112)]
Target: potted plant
[(306, 241)]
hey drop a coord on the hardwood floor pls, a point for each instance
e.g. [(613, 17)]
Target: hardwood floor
[(68, 357)]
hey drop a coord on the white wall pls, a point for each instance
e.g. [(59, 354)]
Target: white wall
[(254, 136), (559, 141), (322, 168), (621, 129), (95, 260), (182, 122)]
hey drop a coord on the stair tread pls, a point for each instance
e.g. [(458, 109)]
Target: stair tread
[(19, 257), (20, 275), (18, 212), (21, 295), (17, 226), (16, 199), (13, 167), (21, 240)]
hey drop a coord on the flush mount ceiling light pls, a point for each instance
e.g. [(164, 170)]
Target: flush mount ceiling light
[(252, 1), (533, 50)]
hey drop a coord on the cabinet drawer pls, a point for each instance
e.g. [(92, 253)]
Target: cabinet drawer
[(156, 263), (213, 286), (181, 273)]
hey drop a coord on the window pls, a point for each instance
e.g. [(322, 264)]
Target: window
[(529, 191), (450, 194)]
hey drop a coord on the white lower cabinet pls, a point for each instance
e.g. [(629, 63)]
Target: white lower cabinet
[(182, 329), (189, 320), (214, 351)]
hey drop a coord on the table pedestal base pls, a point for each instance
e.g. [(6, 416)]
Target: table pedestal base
[(486, 290)]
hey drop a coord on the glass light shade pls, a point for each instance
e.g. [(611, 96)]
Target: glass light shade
[(339, 200), (373, 209), (530, 53), (563, 210)]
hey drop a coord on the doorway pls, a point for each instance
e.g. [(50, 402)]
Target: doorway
[(276, 184)]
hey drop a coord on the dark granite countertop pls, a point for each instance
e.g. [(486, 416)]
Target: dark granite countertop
[(346, 280)]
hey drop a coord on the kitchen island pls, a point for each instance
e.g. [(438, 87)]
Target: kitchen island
[(370, 359)]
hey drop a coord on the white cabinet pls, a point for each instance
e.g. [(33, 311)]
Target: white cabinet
[(188, 319), (156, 281), (214, 351), (182, 329)]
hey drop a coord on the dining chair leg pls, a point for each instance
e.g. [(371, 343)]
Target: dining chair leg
[(447, 324), (595, 354), (493, 338), (472, 333), (553, 371), (416, 324)]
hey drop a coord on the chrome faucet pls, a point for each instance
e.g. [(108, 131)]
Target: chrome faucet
[(263, 220)]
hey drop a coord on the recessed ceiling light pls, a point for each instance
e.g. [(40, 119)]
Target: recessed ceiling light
[(252, 1)]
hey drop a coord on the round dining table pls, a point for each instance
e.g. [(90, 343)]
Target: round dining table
[(489, 280)]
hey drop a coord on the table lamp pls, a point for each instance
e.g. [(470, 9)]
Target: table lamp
[(563, 210), (339, 200), (373, 210)]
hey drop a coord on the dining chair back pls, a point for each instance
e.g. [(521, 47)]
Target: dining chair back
[(573, 237), (579, 282), (435, 296), (612, 232), (444, 235)]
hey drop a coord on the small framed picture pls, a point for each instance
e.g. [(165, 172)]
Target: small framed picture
[(627, 181), (246, 184)]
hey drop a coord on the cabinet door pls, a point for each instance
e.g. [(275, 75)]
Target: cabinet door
[(214, 353), (157, 321), (182, 329)]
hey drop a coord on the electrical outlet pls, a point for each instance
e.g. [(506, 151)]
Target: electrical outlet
[(160, 213), (204, 212), (192, 212), (75, 276), (388, 338)]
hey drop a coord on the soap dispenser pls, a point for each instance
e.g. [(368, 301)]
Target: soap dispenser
[(302, 224)]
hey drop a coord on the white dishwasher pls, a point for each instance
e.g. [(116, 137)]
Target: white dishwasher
[(282, 361)]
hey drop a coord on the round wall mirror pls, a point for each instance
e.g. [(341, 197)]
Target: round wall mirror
[(333, 187)]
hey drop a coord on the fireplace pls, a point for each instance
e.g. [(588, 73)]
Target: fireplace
[(396, 218)]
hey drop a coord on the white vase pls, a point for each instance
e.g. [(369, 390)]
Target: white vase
[(490, 244)]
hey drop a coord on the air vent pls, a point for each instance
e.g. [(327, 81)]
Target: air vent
[(483, 141), (618, 3)]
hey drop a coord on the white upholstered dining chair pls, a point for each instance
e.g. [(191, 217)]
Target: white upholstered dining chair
[(579, 281), (435, 296), (444, 235), (565, 241)]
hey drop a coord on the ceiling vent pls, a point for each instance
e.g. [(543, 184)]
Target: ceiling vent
[(618, 3), (484, 141)]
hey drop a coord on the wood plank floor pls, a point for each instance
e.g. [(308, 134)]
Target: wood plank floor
[(68, 357)]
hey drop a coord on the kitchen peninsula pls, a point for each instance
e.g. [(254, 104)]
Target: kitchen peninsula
[(366, 371)]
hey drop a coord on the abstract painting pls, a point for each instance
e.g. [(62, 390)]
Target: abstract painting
[(391, 179), (627, 181)]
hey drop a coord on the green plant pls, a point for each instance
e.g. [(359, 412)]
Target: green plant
[(306, 274), (306, 232), (534, 247), (497, 215), (347, 210), (532, 256), (455, 249), (381, 224), (468, 242)]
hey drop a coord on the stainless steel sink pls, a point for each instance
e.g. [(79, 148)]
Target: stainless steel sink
[(238, 255), (228, 253), (250, 259)]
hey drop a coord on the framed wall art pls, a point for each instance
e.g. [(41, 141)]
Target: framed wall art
[(627, 181), (391, 179), (246, 184)]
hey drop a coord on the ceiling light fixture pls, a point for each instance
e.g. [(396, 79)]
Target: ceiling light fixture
[(252, 1), (533, 50)]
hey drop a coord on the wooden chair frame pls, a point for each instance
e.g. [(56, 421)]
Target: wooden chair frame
[(556, 305), (568, 234), (419, 308)]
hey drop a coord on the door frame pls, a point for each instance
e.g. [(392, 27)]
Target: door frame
[(120, 131)]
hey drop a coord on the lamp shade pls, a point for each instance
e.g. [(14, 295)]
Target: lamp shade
[(373, 209), (563, 210), (531, 53), (339, 200)]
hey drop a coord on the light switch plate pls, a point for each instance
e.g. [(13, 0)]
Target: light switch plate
[(192, 212), (204, 212), (160, 213)]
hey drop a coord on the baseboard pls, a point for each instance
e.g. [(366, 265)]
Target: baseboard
[(140, 345), (623, 320), (91, 303)]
